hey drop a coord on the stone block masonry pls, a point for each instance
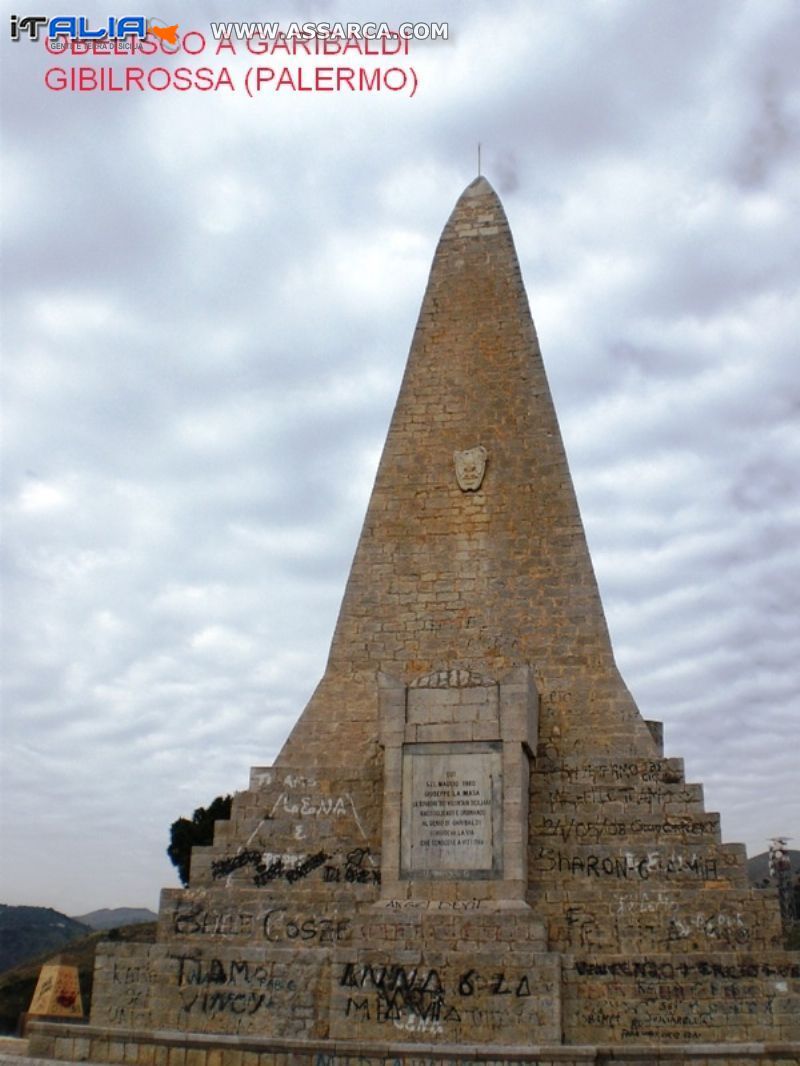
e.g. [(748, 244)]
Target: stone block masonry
[(471, 848), (87, 1043)]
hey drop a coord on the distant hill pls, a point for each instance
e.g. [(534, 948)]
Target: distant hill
[(758, 868), (29, 931), (17, 985), (113, 919)]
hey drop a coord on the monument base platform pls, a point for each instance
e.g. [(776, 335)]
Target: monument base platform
[(86, 1043)]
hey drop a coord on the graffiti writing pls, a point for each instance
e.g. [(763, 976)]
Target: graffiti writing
[(416, 999), (309, 807), (496, 985), (299, 781), (400, 992), (268, 867), (662, 970), (279, 925), (663, 770), (228, 986), (432, 904), (214, 1003), (358, 868), (275, 924), (413, 1023), (730, 928), (593, 832), (193, 970), (654, 795), (130, 986), (128, 975), (223, 867), (192, 919), (391, 978), (628, 866)]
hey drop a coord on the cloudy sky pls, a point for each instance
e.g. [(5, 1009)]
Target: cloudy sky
[(209, 300)]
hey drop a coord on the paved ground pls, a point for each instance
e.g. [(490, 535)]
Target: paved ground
[(12, 1051), (13, 1058), (10, 1045)]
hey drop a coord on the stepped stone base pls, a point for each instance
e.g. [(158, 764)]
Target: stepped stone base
[(292, 931), (75, 1043), (636, 925)]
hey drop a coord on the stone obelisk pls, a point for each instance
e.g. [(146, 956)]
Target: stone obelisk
[(485, 578), (471, 847)]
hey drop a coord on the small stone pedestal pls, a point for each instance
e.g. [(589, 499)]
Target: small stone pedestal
[(57, 993)]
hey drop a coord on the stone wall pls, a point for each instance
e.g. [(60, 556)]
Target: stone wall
[(624, 857), (84, 1043), (444, 972), (725, 996), (638, 925)]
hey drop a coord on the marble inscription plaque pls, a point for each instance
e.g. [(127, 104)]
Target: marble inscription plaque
[(452, 810)]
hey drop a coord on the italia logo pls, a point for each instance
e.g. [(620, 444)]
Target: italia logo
[(78, 28)]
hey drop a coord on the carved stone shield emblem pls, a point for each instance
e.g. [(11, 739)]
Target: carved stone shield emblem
[(470, 467)]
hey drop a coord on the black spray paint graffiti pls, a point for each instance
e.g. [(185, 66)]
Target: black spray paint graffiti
[(399, 992), (191, 919), (569, 829), (193, 970), (668, 771), (668, 971), (223, 867), (655, 796), (276, 870), (278, 927), (431, 904), (221, 986), (355, 869), (420, 994), (627, 866)]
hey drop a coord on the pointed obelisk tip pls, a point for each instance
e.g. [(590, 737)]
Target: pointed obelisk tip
[(478, 207), (478, 187)]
